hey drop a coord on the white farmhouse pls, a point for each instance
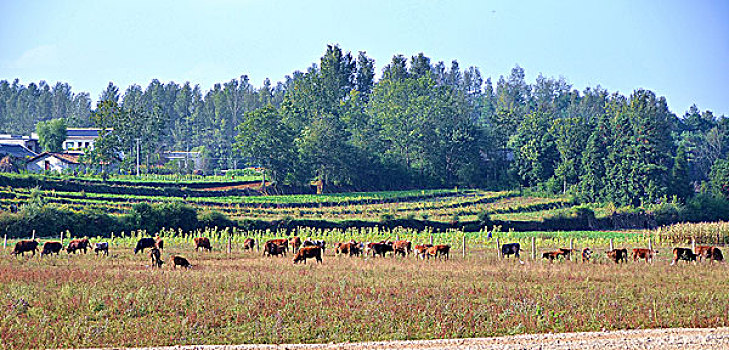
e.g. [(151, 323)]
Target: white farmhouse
[(58, 162)]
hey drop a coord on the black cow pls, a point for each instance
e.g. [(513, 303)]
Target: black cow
[(51, 247), (510, 249), (147, 242)]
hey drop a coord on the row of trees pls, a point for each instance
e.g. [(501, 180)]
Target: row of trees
[(423, 124)]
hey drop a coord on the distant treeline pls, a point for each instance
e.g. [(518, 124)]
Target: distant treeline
[(423, 124)]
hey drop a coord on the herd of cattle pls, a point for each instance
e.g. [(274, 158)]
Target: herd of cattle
[(314, 249), (710, 253)]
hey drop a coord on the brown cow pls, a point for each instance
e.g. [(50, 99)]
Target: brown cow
[(281, 243), (422, 249), (403, 248), (202, 242), (271, 248), (51, 247), (643, 253), (25, 246), (709, 252), (350, 248), (551, 256), (618, 255), (308, 252), (178, 260), (555, 255), (716, 254), (586, 254), (295, 243), (439, 250), (682, 254), (249, 243), (78, 244), (156, 257)]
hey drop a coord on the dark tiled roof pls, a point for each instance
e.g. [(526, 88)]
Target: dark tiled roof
[(16, 151), (82, 133)]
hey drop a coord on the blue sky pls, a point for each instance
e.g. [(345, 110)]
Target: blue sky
[(679, 49)]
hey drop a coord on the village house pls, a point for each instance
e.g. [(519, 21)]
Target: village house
[(58, 162)]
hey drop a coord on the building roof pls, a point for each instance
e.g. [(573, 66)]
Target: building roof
[(78, 132), (64, 157), (16, 150)]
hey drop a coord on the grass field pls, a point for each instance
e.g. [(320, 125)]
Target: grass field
[(84, 300)]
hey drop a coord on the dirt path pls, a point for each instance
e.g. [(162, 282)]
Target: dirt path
[(673, 338)]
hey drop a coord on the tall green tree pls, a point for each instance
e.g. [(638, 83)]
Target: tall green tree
[(267, 141), (52, 134)]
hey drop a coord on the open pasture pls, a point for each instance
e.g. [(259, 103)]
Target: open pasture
[(242, 297)]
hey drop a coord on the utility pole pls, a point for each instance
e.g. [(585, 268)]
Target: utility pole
[(137, 156)]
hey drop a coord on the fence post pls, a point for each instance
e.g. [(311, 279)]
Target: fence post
[(33, 239), (650, 244), (611, 244), (431, 239), (5, 241), (572, 246), (61, 237), (230, 243), (693, 244), (498, 248), (534, 248), (464, 245)]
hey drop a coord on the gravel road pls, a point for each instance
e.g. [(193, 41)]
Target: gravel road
[(672, 338)]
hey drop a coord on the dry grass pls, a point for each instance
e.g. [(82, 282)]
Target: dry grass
[(84, 301)]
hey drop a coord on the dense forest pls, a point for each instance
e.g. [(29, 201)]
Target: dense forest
[(422, 124)]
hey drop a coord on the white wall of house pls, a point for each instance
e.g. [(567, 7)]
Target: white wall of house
[(50, 163)]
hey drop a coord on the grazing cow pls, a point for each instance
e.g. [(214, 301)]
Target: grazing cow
[(586, 254), (101, 247), (281, 244), (308, 252), (156, 257), (177, 260), (618, 255), (271, 248), (709, 252), (555, 255), (716, 254), (148, 242), (439, 251), (403, 248), (551, 256), (350, 248), (682, 254), (51, 247), (78, 244), (25, 246), (566, 252), (316, 243), (510, 249), (249, 243), (295, 243), (422, 249), (642, 253), (202, 242), (379, 248)]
